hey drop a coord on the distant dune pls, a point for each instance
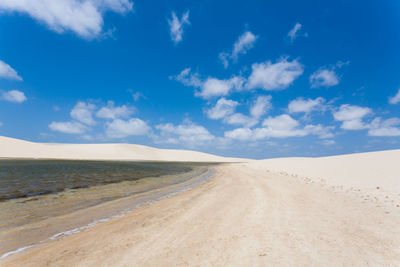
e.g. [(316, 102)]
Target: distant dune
[(361, 170), (15, 148)]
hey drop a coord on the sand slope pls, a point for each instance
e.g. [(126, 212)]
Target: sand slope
[(14, 148), (362, 170)]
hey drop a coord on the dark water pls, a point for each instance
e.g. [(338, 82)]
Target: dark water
[(41, 199), (25, 178)]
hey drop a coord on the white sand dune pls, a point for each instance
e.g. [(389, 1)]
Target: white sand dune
[(14, 148), (332, 211), (362, 170)]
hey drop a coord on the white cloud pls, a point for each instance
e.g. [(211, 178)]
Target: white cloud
[(123, 128), (14, 96), (224, 57), (113, 112), (319, 130), (281, 126), (68, 127), (7, 72), (305, 105), (324, 77), (187, 133), (293, 32), (187, 78), (222, 108), (274, 76), (282, 122), (85, 18), (240, 119), (267, 76), (176, 26), (244, 43), (242, 134), (395, 99), (328, 142), (1, 124), (213, 87), (351, 117), (83, 112), (261, 106), (384, 128)]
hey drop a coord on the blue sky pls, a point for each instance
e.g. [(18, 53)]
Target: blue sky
[(236, 78)]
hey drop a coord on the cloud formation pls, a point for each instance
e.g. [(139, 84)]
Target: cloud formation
[(293, 33), (84, 18), (395, 99), (70, 127), (14, 96), (6, 72), (123, 128), (176, 26), (210, 87), (83, 112), (324, 77), (379, 127), (305, 105), (222, 109), (187, 133), (113, 112), (260, 106), (244, 43), (274, 76), (352, 116), (281, 126), (225, 109)]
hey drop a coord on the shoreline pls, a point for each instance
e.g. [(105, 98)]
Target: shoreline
[(245, 215), (124, 205)]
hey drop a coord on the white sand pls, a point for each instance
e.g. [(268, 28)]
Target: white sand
[(14, 148), (280, 212)]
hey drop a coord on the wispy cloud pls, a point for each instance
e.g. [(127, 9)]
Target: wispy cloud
[(294, 32), (6, 72), (69, 127), (395, 99), (244, 43), (84, 18), (176, 26)]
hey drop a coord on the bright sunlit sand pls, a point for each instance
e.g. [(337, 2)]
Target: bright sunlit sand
[(289, 211)]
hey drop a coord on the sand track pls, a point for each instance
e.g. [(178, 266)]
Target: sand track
[(244, 215)]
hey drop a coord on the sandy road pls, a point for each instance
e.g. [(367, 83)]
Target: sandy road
[(242, 216)]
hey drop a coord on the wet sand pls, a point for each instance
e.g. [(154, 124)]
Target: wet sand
[(32, 221)]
